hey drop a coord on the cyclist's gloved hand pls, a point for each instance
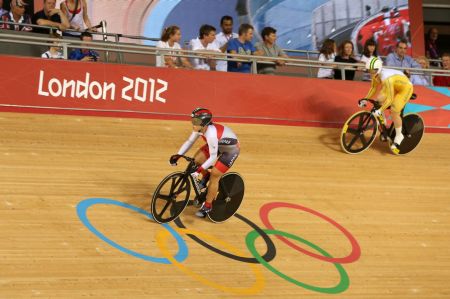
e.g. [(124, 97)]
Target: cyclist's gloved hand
[(377, 113), (362, 103), (174, 159)]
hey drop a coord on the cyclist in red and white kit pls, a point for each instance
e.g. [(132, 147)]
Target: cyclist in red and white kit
[(220, 151)]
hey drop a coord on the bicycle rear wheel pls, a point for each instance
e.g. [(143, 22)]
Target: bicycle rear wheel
[(412, 128), (170, 197), (229, 197), (359, 132)]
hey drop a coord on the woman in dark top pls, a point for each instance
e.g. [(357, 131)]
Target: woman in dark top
[(345, 54)]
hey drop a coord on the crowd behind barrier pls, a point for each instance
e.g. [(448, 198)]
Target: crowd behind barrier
[(252, 58)]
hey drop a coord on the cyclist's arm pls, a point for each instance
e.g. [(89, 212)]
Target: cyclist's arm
[(373, 89), (213, 145), (388, 87), (188, 144)]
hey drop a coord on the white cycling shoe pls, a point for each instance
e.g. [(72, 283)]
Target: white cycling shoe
[(397, 141)]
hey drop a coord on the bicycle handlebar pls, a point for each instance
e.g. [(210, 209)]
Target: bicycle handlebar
[(189, 159), (375, 103)]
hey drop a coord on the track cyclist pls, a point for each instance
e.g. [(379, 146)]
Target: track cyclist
[(221, 150), (394, 89)]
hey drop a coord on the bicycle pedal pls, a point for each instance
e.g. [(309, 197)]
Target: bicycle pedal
[(199, 200)]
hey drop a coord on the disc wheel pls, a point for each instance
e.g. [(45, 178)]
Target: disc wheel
[(412, 129), (229, 197)]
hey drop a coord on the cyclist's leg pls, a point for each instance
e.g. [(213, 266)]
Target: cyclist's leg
[(224, 163), (405, 90), (201, 156), (386, 96)]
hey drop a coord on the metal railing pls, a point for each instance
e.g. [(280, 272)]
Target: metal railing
[(107, 46), (117, 36)]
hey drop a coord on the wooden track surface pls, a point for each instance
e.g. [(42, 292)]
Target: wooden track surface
[(397, 208)]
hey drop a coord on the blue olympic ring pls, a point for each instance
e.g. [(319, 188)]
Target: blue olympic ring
[(85, 204)]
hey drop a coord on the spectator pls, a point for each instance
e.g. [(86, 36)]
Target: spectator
[(55, 50), (77, 13), (345, 54), (226, 23), (422, 78), (2, 11), (327, 54), (17, 15), (50, 16), (170, 39), (369, 52), (205, 42), (443, 80), (85, 54), (270, 49), (400, 59), (431, 48), (243, 46)]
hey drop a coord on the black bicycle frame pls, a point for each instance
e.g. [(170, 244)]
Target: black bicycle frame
[(382, 121), (187, 176)]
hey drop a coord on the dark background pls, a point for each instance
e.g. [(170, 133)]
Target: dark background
[(29, 10)]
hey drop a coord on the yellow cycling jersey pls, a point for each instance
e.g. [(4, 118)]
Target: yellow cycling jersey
[(396, 88)]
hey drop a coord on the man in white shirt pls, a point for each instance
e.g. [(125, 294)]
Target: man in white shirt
[(222, 40), (205, 43)]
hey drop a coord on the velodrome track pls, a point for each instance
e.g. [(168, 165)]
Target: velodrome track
[(66, 181)]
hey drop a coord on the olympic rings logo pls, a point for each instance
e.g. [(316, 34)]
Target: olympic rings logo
[(233, 252)]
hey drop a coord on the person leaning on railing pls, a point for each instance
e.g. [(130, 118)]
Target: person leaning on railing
[(226, 23), (400, 59), (269, 48), (369, 52), (443, 80), (50, 16), (204, 43), (76, 12), (422, 78), (16, 15), (327, 54), (170, 39), (55, 49), (345, 54), (243, 46)]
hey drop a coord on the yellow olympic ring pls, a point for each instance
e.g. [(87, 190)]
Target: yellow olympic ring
[(161, 241)]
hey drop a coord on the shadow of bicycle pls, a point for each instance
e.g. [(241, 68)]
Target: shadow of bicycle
[(332, 140)]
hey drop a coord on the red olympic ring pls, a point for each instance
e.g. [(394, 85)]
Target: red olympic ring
[(353, 256)]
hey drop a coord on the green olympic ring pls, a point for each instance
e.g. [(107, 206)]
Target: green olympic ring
[(339, 288)]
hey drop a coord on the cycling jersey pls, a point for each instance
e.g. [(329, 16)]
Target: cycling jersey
[(396, 87), (220, 140)]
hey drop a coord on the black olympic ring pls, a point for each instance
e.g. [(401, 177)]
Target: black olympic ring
[(268, 256)]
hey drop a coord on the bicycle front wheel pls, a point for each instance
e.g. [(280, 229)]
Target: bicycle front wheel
[(359, 132), (170, 197)]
